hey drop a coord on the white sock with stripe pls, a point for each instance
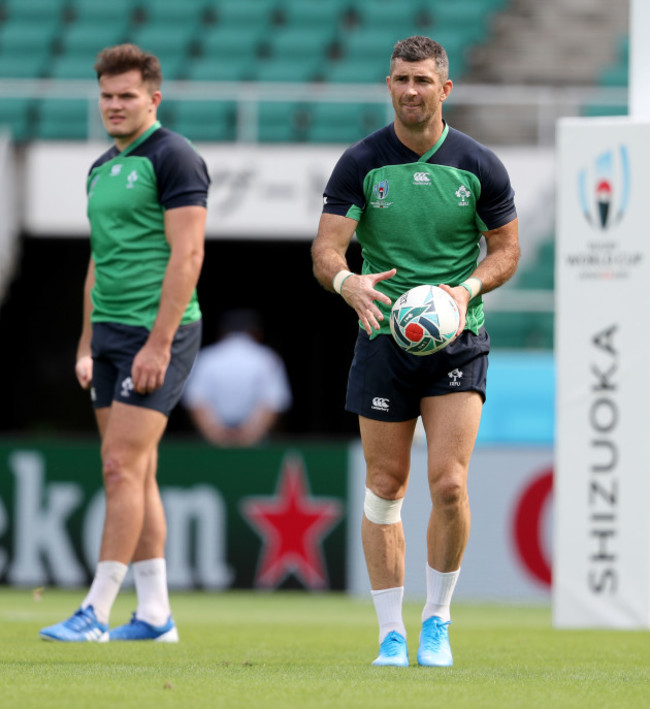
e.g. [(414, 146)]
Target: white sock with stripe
[(104, 588), (440, 588), (388, 605), (150, 578)]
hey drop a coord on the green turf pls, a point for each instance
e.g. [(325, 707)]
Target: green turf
[(289, 650)]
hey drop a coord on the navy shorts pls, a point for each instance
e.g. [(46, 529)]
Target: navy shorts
[(387, 384), (113, 348)]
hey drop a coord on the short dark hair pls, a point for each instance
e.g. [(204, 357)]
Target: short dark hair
[(418, 48), (127, 57)]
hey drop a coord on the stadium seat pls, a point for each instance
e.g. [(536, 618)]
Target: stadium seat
[(100, 13), (287, 69), (214, 68), (324, 13), (344, 122), (224, 43), (86, 38), (241, 13), (282, 121), (63, 119), (382, 14), (24, 37), (19, 66), (173, 12), (205, 120), (42, 11), (15, 116), (370, 71), (300, 43)]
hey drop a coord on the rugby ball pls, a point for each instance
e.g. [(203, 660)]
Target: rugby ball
[(424, 320)]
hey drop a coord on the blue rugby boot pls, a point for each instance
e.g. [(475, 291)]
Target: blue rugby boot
[(434, 650), (392, 651), (81, 627), (140, 630)]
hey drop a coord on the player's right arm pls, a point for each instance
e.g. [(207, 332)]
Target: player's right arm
[(328, 254), (84, 363)]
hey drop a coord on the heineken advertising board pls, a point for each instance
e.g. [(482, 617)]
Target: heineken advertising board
[(270, 517)]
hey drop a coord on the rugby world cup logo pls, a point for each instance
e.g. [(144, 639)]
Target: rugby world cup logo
[(380, 189), (604, 188)]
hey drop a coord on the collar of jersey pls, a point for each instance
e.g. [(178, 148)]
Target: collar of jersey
[(439, 142), (141, 139)]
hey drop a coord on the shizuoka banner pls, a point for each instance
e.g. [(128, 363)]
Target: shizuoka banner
[(601, 574)]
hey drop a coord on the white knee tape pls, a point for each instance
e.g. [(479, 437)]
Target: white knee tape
[(382, 511)]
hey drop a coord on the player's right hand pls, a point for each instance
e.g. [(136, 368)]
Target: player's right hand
[(84, 371), (360, 293)]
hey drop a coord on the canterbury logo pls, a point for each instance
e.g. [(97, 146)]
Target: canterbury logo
[(379, 403), (422, 178)]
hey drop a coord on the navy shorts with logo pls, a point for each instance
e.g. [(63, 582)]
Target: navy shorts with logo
[(386, 383), (114, 347)]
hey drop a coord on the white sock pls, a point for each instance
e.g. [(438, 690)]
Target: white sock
[(104, 588), (440, 589), (150, 578), (388, 605)]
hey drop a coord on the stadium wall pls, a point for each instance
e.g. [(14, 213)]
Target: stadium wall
[(276, 517)]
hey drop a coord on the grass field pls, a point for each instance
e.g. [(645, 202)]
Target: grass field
[(301, 650)]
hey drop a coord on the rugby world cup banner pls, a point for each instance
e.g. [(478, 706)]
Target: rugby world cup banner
[(601, 574)]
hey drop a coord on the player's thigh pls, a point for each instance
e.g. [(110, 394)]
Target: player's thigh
[(131, 436), (387, 451), (451, 425)]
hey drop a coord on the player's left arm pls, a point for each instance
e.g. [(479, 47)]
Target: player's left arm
[(185, 233), (498, 266)]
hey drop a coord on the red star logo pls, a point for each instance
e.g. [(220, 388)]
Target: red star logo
[(292, 525)]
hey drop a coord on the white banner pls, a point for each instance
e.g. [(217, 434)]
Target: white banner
[(508, 557), (602, 486), (257, 191)]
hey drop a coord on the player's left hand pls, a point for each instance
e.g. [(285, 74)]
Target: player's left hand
[(149, 368)]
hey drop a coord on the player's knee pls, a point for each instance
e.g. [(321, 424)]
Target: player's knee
[(113, 470), (448, 493), (381, 511)]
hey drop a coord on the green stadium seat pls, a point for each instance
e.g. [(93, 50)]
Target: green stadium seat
[(224, 43), (206, 120), (283, 122), (169, 43), (117, 11), (241, 13), (300, 43), (42, 11), (75, 66), (287, 69), (344, 122), (233, 68), (174, 12), (63, 119), (615, 75), (370, 71), (15, 116), (18, 66), (597, 110), (381, 14), (373, 43), (87, 38), (25, 37), (324, 13)]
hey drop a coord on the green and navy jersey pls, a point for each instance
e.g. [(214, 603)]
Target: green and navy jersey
[(128, 194), (423, 215)]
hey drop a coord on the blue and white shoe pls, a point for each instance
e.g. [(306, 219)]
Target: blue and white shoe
[(392, 651), (81, 627), (434, 650), (140, 630)]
